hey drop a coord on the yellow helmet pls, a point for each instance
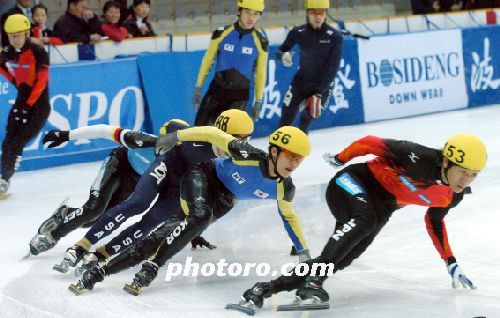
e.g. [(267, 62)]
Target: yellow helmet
[(292, 139), (467, 151), (235, 122), (256, 5), (164, 127), (17, 23), (317, 4)]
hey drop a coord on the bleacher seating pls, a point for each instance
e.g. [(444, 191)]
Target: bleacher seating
[(183, 16)]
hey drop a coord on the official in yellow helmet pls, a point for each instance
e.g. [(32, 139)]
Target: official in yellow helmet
[(320, 52), (239, 53)]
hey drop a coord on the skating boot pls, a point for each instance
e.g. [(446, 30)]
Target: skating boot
[(142, 279), (41, 243), (91, 277), (311, 296), (55, 219), (253, 298), (258, 292), (72, 257), (313, 288), (90, 260)]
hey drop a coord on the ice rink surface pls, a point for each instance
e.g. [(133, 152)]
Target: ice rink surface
[(400, 275)]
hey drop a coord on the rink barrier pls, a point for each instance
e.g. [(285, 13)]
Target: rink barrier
[(382, 78)]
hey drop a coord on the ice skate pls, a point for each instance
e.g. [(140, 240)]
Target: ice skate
[(253, 298), (311, 296), (88, 281), (72, 257), (142, 279)]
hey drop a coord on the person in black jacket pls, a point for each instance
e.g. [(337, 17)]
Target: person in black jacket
[(78, 24), (320, 54), (22, 7), (137, 22)]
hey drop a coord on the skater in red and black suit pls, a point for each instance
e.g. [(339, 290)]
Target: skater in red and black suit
[(26, 66), (363, 196)]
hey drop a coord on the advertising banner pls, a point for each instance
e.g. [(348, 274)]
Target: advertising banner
[(481, 47), (412, 74), (84, 94)]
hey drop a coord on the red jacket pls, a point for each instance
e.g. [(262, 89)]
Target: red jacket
[(114, 31)]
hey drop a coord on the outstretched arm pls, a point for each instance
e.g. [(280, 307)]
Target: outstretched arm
[(125, 137), (436, 228)]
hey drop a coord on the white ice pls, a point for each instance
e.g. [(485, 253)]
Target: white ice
[(401, 274)]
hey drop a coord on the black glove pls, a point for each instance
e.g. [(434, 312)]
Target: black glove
[(201, 242), (55, 138), (137, 139), (165, 143)]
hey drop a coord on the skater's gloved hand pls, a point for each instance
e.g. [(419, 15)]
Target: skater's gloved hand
[(304, 255), (197, 98), (313, 103), (332, 160), (165, 143), (55, 138), (136, 139), (287, 59), (199, 241), (257, 105), (457, 275)]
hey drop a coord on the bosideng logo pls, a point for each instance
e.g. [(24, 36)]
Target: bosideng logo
[(413, 69)]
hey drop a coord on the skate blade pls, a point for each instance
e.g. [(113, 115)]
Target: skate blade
[(304, 305), (131, 290), (61, 268), (26, 256), (75, 289), (5, 196), (242, 308)]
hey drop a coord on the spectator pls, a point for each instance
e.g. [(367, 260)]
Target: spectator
[(78, 24), (137, 22), (39, 28), (111, 27), (21, 7)]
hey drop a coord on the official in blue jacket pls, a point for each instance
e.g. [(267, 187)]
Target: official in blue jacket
[(320, 48)]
